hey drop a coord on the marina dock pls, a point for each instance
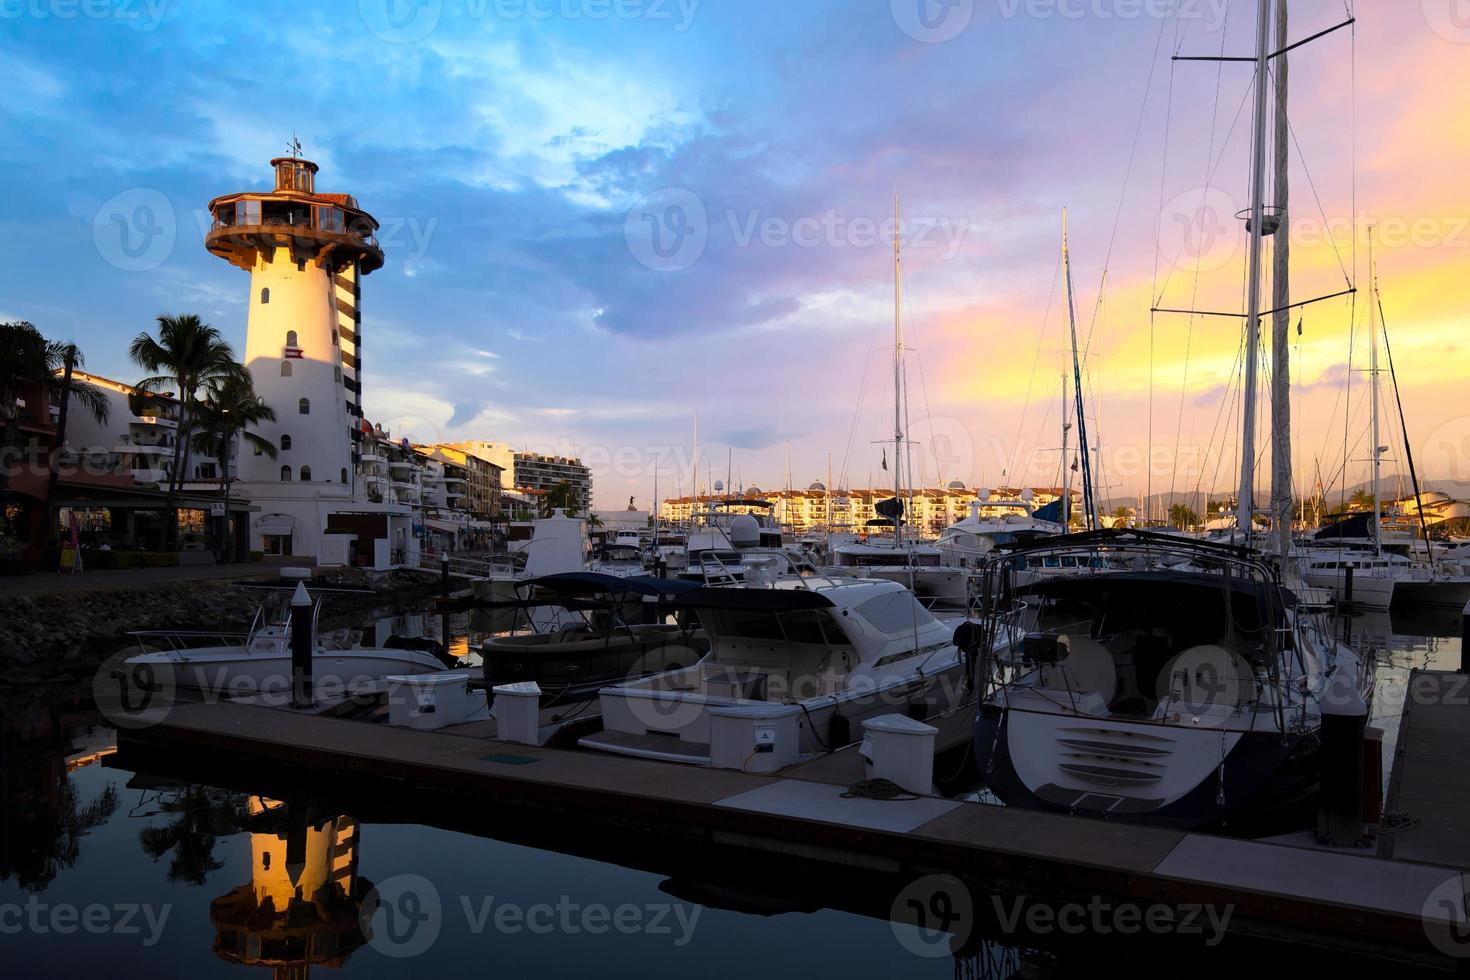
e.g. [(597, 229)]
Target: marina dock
[(1304, 897)]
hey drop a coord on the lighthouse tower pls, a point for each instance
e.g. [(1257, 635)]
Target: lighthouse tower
[(306, 253)]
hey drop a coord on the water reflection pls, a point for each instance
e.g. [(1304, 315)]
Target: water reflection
[(302, 903), (43, 817)]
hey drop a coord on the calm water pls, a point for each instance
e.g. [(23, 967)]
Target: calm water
[(109, 872)]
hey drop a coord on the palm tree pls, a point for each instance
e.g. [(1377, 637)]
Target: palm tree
[(35, 366), (187, 355), (231, 406), (1360, 500)]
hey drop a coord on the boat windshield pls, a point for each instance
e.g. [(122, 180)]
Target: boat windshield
[(798, 626), (895, 613)]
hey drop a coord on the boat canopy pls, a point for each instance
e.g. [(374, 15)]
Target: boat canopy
[(753, 600), (598, 583)]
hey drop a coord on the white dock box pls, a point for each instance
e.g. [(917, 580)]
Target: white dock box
[(517, 711), (899, 749), (429, 701), (753, 737)]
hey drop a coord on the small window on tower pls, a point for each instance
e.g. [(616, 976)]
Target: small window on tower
[(285, 444), (306, 474), (344, 475), (337, 373), (285, 369), (285, 474), (334, 338), (304, 406), (265, 295), (291, 338)]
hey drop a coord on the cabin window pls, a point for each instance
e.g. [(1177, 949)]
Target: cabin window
[(285, 474), (291, 339), (306, 474), (285, 369), (304, 406), (285, 443), (265, 295), (895, 613)]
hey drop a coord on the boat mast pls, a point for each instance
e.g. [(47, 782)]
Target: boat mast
[(897, 381), (1089, 505), (1373, 384), (1245, 498), (1066, 463), (1281, 317)]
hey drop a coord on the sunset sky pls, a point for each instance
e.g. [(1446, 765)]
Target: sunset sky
[(602, 217)]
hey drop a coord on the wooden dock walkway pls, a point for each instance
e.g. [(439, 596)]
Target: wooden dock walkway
[(1430, 786), (1352, 901)]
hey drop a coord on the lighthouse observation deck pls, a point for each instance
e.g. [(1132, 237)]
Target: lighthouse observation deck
[(319, 228)]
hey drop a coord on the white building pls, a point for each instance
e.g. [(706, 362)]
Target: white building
[(306, 254)]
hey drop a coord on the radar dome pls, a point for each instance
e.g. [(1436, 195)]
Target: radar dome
[(745, 531)]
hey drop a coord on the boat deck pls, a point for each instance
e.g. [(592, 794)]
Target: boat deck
[(1293, 894)]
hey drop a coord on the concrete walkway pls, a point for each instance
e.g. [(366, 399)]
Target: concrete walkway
[(47, 583)]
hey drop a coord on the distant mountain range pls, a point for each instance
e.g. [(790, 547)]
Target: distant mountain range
[(1159, 503)]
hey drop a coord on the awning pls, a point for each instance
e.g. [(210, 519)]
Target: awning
[(754, 600), (275, 524), (442, 525), (482, 525)]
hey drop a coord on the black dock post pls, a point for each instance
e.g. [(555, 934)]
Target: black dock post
[(1465, 639), (444, 574), (1340, 800), (303, 644)]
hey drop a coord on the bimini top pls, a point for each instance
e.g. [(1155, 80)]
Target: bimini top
[(1118, 537), (598, 583), (753, 600)]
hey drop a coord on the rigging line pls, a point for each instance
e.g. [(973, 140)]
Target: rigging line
[(1194, 289), (1326, 224), (857, 409), (1025, 406), (1127, 174), (917, 348)]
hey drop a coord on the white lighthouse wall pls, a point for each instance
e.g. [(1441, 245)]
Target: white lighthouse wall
[(301, 299)]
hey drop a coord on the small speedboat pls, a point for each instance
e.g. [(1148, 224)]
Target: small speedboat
[(259, 661)]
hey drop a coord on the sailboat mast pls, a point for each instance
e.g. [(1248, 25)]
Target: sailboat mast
[(1373, 384), (897, 380), (1245, 499), (1281, 318), (1066, 465), (1089, 504)]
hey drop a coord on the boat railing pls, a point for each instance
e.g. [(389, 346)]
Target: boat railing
[(185, 639)]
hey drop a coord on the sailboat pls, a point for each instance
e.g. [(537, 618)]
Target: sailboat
[(1183, 683), (1350, 557), (903, 558)]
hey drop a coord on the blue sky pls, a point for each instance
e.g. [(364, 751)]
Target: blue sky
[(522, 156)]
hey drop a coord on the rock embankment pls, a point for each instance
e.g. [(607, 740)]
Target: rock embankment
[(46, 638)]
